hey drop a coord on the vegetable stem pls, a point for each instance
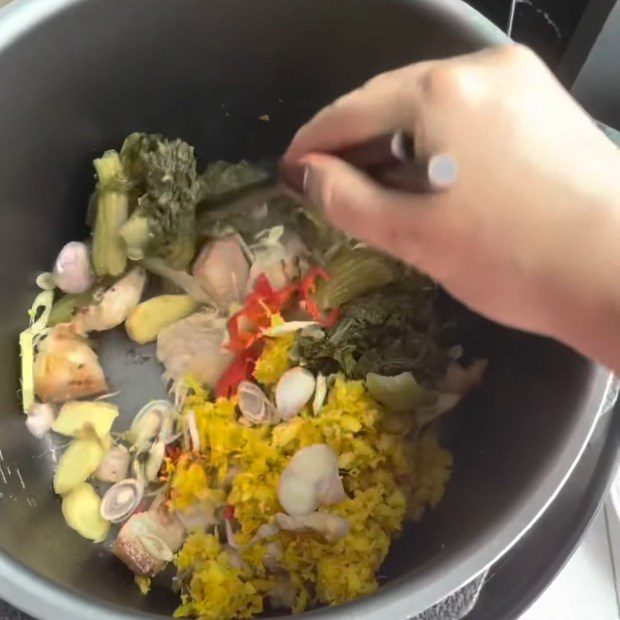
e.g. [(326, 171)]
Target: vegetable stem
[(109, 252)]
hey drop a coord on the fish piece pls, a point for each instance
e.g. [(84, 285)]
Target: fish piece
[(66, 367)]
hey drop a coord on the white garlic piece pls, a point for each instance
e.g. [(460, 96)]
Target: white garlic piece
[(319, 394), (311, 480), (293, 391)]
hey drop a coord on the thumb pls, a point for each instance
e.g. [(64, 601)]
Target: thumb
[(350, 200)]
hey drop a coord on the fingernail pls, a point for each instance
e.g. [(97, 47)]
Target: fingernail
[(310, 188), (306, 180)]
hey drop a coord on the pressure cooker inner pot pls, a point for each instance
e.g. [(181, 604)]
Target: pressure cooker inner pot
[(79, 81)]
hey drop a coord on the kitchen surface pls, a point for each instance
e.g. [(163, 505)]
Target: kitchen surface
[(564, 33)]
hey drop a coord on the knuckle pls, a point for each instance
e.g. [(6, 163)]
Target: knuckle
[(518, 54), (444, 81)]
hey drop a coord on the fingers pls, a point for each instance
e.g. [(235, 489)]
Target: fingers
[(384, 104), (391, 221)]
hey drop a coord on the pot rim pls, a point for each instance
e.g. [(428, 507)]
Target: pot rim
[(398, 599)]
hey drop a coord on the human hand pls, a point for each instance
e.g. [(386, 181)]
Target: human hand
[(530, 233)]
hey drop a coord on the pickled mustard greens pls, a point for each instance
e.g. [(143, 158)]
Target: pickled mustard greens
[(306, 374)]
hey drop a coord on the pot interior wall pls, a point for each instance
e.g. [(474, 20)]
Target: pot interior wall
[(205, 71)]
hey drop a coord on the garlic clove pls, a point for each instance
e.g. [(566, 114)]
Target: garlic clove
[(293, 391), (330, 490), (296, 495), (320, 393), (114, 466), (40, 418), (121, 500), (254, 405), (72, 273), (310, 480)]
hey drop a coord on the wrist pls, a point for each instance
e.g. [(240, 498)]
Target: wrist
[(587, 309)]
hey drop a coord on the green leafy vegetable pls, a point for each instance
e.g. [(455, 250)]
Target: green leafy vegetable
[(400, 393), (164, 188), (109, 254), (221, 180), (353, 272), (386, 332)]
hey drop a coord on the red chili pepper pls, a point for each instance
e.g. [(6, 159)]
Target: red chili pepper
[(229, 512), (173, 452), (241, 369), (307, 288), (259, 306)]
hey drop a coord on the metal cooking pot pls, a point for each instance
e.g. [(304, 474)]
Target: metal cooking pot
[(79, 75)]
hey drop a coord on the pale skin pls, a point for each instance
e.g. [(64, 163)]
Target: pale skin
[(529, 235)]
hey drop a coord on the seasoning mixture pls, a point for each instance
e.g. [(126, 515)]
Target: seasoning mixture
[(306, 373)]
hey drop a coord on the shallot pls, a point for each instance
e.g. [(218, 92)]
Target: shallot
[(72, 273)]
